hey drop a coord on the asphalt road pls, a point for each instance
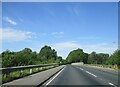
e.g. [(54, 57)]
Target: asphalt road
[(84, 76)]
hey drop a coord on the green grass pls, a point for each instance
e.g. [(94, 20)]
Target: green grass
[(110, 67), (19, 74)]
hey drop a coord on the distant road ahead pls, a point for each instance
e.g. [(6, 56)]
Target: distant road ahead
[(83, 75)]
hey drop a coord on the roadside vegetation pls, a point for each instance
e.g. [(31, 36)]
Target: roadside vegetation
[(95, 58), (26, 56), (47, 55)]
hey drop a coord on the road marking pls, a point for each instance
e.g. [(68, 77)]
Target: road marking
[(91, 74), (54, 77), (81, 68), (112, 84)]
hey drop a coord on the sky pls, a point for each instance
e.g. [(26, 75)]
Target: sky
[(65, 26)]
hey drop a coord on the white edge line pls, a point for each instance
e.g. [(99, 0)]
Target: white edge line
[(54, 77)]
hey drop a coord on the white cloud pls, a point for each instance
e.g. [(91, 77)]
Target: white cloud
[(7, 19), (66, 45), (57, 33), (100, 48), (63, 48), (53, 34), (88, 37), (9, 34)]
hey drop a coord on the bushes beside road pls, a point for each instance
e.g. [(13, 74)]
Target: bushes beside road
[(95, 58), (26, 56)]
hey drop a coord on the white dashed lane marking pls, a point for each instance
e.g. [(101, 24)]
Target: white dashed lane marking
[(91, 74), (112, 84), (97, 76), (81, 68)]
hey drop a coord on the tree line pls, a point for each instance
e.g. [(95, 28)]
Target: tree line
[(93, 58), (26, 56), (48, 55)]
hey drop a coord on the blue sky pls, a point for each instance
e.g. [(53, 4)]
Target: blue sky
[(64, 26)]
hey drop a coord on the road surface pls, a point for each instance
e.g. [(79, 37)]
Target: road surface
[(83, 75)]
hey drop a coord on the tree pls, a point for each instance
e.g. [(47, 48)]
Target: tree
[(21, 58), (76, 56), (85, 59), (59, 60), (99, 58), (92, 58), (102, 58), (114, 58), (27, 57), (27, 50), (47, 54), (7, 57)]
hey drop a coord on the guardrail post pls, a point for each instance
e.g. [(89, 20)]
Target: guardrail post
[(37, 69), (21, 72), (7, 74), (30, 71)]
